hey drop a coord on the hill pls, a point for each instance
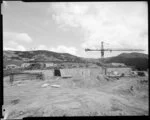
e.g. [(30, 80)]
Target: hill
[(138, 60), (17, 57)]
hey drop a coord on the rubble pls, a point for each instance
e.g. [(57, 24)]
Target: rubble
[(45, 85), (56, 86)]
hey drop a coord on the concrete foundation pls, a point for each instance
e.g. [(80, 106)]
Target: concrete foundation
[(73, 72)]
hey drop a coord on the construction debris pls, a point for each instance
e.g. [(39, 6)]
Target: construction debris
[(45, 85), (67, 76), (57, 86)]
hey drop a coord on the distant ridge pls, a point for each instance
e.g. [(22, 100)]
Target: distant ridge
[(18, 57), (138, 60)]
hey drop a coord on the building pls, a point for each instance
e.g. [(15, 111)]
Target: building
[(25, 59), (126, 71), (118, 64), (50, 64), (12, 66), (25, 65), (139, 73)]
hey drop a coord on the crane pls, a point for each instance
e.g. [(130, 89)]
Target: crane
[(103, 50)]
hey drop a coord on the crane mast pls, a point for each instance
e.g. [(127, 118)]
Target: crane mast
[(102, 49)]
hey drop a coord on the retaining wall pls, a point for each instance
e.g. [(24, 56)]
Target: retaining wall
[(80, 72), (126, 71), (73, 72)]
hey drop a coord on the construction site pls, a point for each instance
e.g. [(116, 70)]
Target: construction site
[(77, 91)]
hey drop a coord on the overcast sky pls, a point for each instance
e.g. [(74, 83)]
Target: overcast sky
[(72, 26)]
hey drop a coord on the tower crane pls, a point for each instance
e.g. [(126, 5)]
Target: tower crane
[(103, 50)]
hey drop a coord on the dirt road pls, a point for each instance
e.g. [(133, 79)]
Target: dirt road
[(74, 97)]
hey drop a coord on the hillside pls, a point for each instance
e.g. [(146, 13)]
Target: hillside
[(138, 60), (17, 57)]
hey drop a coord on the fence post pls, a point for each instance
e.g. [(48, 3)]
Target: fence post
[(11, 78), (42, 76)]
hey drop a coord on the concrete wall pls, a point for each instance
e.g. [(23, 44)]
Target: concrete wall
[(74, 72), (81, 72), (47, 73), (125, 70), (25, 76)]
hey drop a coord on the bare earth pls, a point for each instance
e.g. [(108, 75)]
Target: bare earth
[(76, 97)]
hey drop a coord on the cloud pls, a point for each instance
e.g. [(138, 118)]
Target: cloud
[(17, 48), (21, 48), (13, 45), (14, 41), (64, 49), (59, 48), (8, 48), (23, 37), (5, 4), (122, 24), (13, 36), (42, 47)]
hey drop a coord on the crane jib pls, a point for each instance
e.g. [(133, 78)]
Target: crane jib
[(109, 49), (113, 50)]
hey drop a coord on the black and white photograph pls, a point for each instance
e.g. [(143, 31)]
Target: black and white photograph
[(63, 59)]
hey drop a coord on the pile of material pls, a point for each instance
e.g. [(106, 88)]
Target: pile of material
[(132, 87)]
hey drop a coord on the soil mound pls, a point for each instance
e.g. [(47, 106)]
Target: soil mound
[(133, 87)]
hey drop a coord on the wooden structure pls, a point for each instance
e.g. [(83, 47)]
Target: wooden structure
[(25, 76)]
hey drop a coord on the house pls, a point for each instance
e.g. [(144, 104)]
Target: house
[(118, 64), (126, 71), (35, 65), (25, 59), (140, 73), (25, 65), (134, 73), (50, 64), (12, 66)]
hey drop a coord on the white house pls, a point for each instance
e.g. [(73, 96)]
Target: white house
[(24, 65), (118, 64), (12, 66), (50, 64)]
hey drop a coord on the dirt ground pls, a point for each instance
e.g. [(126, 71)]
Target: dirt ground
[(97, 96)]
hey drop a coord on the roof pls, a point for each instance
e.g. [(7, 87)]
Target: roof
[(118, 67), (122, 64), (12, 65)]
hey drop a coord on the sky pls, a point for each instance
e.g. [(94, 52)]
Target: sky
[(70, 27)]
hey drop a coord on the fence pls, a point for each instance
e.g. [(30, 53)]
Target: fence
[(10, 71)]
